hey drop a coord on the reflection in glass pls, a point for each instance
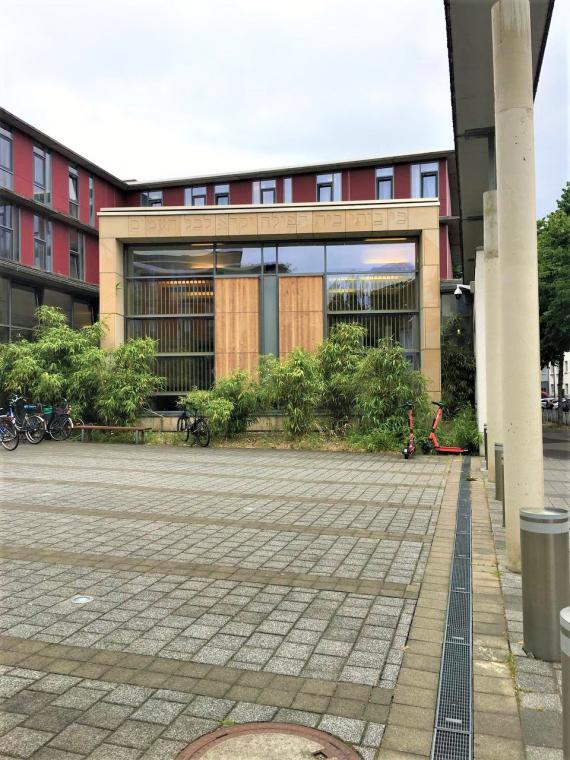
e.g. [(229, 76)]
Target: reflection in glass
[(232, 259), (82, 314), (371, 257), (154, 262), (61, 300), (24, 304), (301, 259), (170, 297), (402, 328), (269, 259), (389, 292), (179, 335)]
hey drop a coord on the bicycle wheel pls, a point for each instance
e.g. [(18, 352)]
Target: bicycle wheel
[(35, 429), (60, 428), (74, 432), (9, 437), (182, 425), (201, 433)]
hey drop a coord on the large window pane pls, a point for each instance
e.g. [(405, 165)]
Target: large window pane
[(301, 259), (61, 300), (4, 302), (23, 306), (180, 335), (185, 372), (237, 259), (390, 292), (6, 159), (154, 262), (403, 328), (371, 257), (82, 314), (184, 297)]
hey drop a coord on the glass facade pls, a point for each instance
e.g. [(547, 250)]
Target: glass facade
[(18, 303), (42, 243), (170, 295), (42, 175), (6, 158), (9, 232)]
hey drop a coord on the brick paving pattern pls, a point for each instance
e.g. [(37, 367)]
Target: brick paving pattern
[(228, 586)]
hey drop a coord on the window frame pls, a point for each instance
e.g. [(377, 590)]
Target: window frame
[(221, 191), (334, 184), (261, 186), (196, 194), (384, 174), (7, 172), (14, 233), (42, 193), (77, 255), (91, 198), (45, 243), (73, 180), (149, 198)]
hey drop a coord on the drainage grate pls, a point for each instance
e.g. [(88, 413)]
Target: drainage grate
[(452, 739)]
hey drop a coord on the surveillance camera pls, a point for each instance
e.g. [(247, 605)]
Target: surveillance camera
[(458, 292)]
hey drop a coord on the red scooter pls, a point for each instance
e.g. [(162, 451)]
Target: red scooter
[(432, 444), (410, 448)]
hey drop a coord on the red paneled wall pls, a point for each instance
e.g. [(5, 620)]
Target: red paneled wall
[(240, 192), (361, 184), (84, 196), (304, 188), (445, 267), (444, 201), (26, 237), (173, 196), (60, 249), (59, 183), (91, 259), (22, 146), (402, 181)]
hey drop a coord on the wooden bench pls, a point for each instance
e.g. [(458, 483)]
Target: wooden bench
[(87, 429)]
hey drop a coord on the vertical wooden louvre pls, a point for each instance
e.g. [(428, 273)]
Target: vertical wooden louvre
[(236, 324), (301, 320)]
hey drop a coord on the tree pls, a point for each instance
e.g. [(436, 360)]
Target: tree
[(554, 287)]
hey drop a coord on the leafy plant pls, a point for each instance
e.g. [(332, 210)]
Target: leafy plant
[(457, 366), (127, 381), (339, 356), (295, 385), (218, 411), (461, 430), (385, 381), (243, 392)]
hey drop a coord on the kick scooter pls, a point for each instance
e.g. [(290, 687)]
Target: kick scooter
[(432, 444), (410, 448)]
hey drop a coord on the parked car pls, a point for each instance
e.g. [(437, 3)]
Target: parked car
[(548, 402)]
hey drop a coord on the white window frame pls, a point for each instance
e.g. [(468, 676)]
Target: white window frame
[(419, 172), (262, 189), (287, 190), (7, 172)]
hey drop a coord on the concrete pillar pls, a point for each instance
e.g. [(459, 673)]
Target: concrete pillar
[(493, 336), (480, 316), (518, 285)]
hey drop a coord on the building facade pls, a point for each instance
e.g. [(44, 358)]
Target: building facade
[(268, 263)]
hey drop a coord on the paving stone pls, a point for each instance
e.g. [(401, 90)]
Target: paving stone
[(158, 711), (78, 697), (207, 707), (136, 733), (53, 719), (164, 749), (23, 742), (246, 712), (129, 695), (78, 738), (187, 728), (105, 715), (9, 721), (542, 728), (348, 729)]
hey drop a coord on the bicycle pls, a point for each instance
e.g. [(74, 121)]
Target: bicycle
[(32, 426), (59, 424), (9, 437), (410, 448), (194, 425)]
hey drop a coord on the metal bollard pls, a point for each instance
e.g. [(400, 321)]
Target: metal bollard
[(565, 660), (486, 445), (498, 472), (545, 579)]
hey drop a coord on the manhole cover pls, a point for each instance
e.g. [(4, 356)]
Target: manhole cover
[(81, 599), (268, 741)]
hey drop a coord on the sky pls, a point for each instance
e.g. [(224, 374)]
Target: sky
[(177, 88)]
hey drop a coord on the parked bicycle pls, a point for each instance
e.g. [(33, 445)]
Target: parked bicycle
[(59, 424), (27, 423), (193, 425), (9, 436)]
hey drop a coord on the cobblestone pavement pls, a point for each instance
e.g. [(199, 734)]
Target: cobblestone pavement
[(538, 683), (227, 585)]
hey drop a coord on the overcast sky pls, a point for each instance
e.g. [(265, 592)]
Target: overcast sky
[(152, 89)]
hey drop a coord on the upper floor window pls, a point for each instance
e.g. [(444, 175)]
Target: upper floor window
[(385, 183), (222, 195), (42, 243), (42, 175), (73, 182), (329, 187), (195, 196), (92, 201), (76, 255), (9, 232), (151, 198), (287, 190), (264, 191), (6, 158), (425, 180)]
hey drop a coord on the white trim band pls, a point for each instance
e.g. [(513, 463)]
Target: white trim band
[(547, 528), (564, 644)]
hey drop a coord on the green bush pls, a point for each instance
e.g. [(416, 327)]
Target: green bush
[(385, 381), (339, 356), (460, 430), (243, 392), (457, 366), (60, 362), (218, 411), (294, 385)]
